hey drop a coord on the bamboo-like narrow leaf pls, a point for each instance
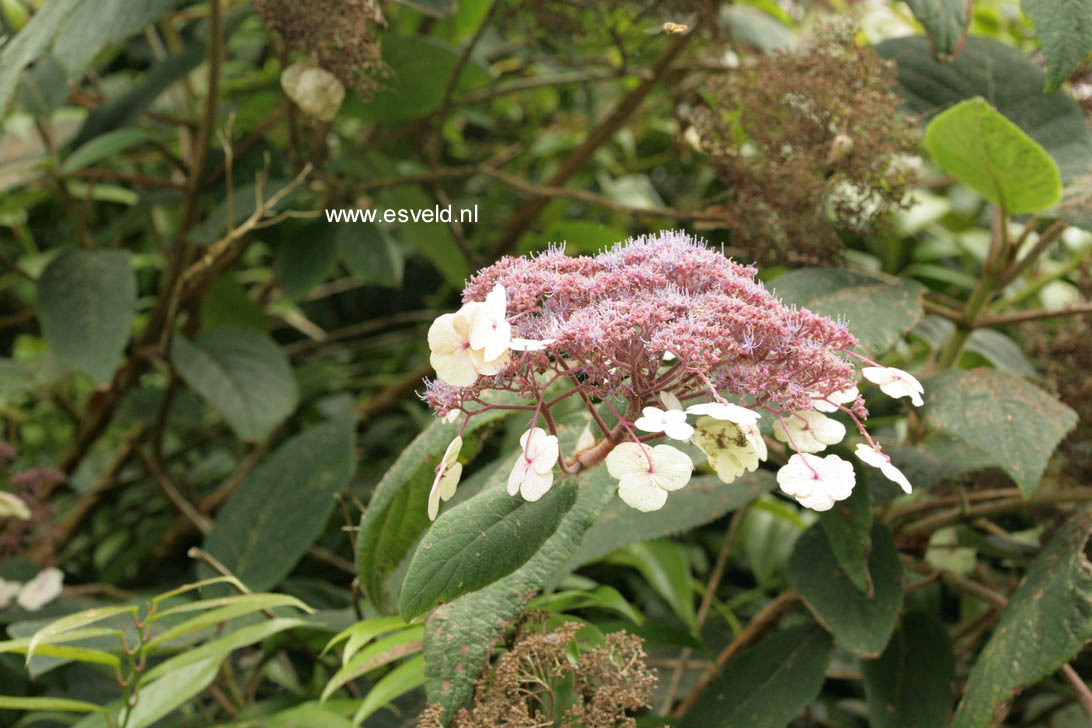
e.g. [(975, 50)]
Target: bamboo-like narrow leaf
[(262, 601), (199, 585), (362, 633), (225, 613), (63, 704), (72, 622), (382, 652), (399, 681)]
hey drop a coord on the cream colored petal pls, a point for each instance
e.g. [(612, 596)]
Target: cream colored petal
[(443, 337), (450, 481), (41, 590), (488, 368), (638, 491), (626, 459), (671, 467), (8, 591), (457, 369), (535, 485), (13, 506)]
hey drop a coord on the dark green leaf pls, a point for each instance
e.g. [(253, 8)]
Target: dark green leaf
[(1064, 28), (279, 511), (1000, 414), (861, 623), (477, 542), (30, 43), (242, 374), (1047, 621), (767, 685), (432, 240), (101, 147), (848, 528), (370, 254), (909, 685), (306, 260), (1001, 351), (227, 304), (85, 303), (459, 636), (97, 24), (978, 146), (946, 23), (666, 567), (879, 309)]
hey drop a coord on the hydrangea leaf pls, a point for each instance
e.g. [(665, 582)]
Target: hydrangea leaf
[(477, 542), (242, 374), (946, 23), (861, 623), (848, 529), (1064, 29), (86, 301), (977, 145), (459, 636), (909, 685), (269, 523), (1047, 621), (767, 685), (994, 412), (396, 516), (879, 309)]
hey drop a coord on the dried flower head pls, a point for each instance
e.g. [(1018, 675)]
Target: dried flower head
[(801, 137), (339, 34)]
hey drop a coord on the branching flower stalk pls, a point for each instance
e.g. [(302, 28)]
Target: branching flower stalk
[(654, 331)]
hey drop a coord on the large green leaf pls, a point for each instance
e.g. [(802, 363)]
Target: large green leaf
[(459, 636), (176, 687), (477, 542), (396, 515), (1064, 28), (665, 565), (1004, 77), (879, 309), (848, 527), (767, 685), (978, 146), (370, 253), (861, 623), (433, 240), (30, 43), (1047, 621), (945, 21), (85, 303), (909, 685), (997, 413), (242, 374), (279, 511), (704, 499), (306, 260)]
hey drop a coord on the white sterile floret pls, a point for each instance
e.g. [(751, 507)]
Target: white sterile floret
[(725, 411), (671, 422), (453, 357), (447, 477), (895, 383), (315, 90), (8, 590), (732, 449), (490, 331), (41, 590), (641, 486), (809, 431), (13, 506), (533, 473), (831, 401), (871, 456), (815, 482)]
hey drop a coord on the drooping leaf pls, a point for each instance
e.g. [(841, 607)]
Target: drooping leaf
[(1047, 621), (242, 374), (432, 240), (848, 528), (459, 635), (997, 413), (767, 685), (369, 253), (1064, 29), (383, 652), (703, 500), (477, 542), (1001, 351), (86, 301), (396, 514), (666, 567), (279, 511), (174, 688), (101, 147), (305, 261), (978, 146), (879, 309), (399, 681), (909, 685), (946, 23), (861, 623)]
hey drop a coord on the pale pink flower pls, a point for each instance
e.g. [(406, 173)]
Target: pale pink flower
[(817, 483), (644, 486), (533, 473), (895, 383)]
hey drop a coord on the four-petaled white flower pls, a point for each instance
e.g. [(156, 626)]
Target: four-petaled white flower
[(490, 331), (533, 473), (895, 383), (8, 590), (13, 506), (41, 590), (816, 482), (809, 431), (732, 449), (877, 459), (447, 477), (725, 411), (831, 401), (454, 359), (642, 486), (671, 422)]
